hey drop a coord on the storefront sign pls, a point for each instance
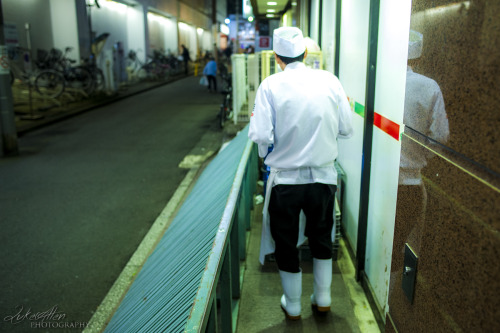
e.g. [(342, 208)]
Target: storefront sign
[(10, 34), (264, 42), (4, 60)]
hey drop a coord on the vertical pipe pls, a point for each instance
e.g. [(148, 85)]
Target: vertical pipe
[(212, 326), (7, 121), (235, 259), (215, 35), (226, 298), (308, 16), (320, 23), (367, 137), (245, 198), (338, 20), (240, 215)]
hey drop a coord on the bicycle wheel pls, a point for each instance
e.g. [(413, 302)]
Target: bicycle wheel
[(49, 83), (147, 71), (224, 111), (79, 78), (222, 116)]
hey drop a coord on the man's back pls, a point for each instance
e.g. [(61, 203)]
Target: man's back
[(307, 108)]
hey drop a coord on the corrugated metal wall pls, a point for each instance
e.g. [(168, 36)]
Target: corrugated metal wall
[(162, 296)]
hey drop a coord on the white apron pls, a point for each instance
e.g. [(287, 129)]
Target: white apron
[(267, 245)]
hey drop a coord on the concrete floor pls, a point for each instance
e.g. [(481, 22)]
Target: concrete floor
[(259, 308)]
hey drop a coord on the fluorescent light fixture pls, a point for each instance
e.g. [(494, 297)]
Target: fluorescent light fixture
[(272, 3), (269, 15), (130, 3), (156, 17), (115, 6), (440, 10), (271, 10), (184, 26), (449, 7)]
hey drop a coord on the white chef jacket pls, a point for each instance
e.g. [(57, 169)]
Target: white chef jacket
[(424, 112), (302, 112)]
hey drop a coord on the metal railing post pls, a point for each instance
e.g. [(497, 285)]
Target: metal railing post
[(244, 202), (235, 261), (212, 319), (240, 215), (226, 298)]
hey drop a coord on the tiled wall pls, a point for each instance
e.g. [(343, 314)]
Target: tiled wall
[(448, 197)]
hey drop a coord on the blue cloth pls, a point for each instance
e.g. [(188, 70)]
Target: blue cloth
[(210, 68)]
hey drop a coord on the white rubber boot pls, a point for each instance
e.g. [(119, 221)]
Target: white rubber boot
[(292, 288), (322, 298)]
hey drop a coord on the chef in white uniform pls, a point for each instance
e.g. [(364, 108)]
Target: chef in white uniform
[(424, 112), (301, 112)]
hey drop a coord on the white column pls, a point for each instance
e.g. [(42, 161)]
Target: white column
[(64, 26)]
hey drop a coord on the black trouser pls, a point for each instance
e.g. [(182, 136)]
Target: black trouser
[(317, 201), (211, 79)]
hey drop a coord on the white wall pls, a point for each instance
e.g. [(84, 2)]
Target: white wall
[(352, 75), (314, 19), (64, 27), (188, 37), (126, 28), (112, 18), (162, 33), (389, 102), (136, 32), (394, 25), (328, 34), (206, 42), (37, 14), (303, 17)]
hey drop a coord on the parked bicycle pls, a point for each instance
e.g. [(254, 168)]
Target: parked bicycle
[(76, 77), (46, 82), (97, 74), (135, 67), (174, 63), (226, 107), (158, 67)]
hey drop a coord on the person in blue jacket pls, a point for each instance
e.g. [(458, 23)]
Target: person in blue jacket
[(210, 71)]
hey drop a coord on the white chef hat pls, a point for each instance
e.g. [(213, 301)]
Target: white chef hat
[(288, 42), (415, 44)]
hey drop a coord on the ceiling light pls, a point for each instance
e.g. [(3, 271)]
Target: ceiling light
[(271, 10), (269, 15), (272, 3), (227, 21), (250, 19), (183, 26)]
